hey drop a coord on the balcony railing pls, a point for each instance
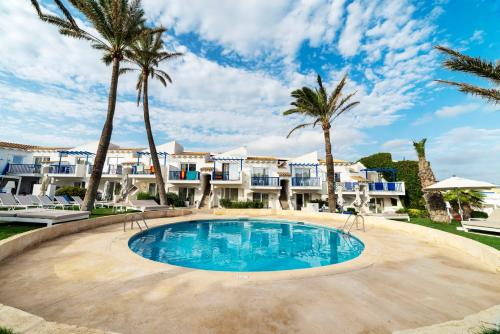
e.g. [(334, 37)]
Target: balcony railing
[(183, 175), (225, 176), (110, 170), (265, 181), (62, 169), (386, 186), (24, 169), (305, 182), (348, 186), (140, 170)]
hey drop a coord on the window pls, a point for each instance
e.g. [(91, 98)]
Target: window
[(188, 167), (41, 160), (186, 194), (302, 172), (394, 202), (337, 177), (230, 193), (259, 171), (17, 159), (261, 197)]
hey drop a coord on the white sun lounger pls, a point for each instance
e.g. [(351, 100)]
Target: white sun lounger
[(34, 199), (47, 202), (43, 216), (63, 202), (77, 201), (27, 201), (9, 201), (145, 205), (491, 224)]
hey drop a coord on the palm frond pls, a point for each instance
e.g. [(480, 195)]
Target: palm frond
[(420, 147), (298, 127), (490, 94), (473, 65)]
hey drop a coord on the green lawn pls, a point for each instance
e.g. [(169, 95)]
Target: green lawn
[(9, 229), (493, 241)]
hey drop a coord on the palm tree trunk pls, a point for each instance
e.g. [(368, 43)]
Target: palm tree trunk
[(152, 147), (330, 169), (102, 149), (434, 199)]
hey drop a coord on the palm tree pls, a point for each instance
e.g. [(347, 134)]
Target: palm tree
[(468, 199), (434, 201), (324, 109), (147, 53), (118, 24), (473, 65)]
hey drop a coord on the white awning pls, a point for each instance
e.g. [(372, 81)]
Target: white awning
[(460, 183)]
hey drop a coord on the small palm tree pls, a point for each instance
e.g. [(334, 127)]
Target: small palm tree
[(473, 65), (118, 24), (324, 109), (147, 53), (434, 201), (469, 199)]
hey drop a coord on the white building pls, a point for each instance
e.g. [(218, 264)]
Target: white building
[(200, 178)]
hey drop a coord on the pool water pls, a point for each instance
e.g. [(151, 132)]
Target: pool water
[(244, 245)]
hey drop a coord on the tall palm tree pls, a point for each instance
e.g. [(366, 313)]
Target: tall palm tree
[(457, 61), (434, 201), (324, 109), (118, 24), (147, 53)]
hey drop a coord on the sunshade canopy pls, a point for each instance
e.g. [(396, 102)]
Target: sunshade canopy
[(454, 182)]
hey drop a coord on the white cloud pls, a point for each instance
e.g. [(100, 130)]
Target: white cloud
[(477, 36), (452, 111)]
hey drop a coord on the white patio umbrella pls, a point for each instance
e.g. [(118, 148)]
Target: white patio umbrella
[(340, 196), (458, 183)]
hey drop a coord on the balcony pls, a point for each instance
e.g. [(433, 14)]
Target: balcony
[(348, 186), (391, 187), (62, 169), (18, 169), (306, 182), (184, 176), (109, 170), (265, 182), (226, 178)]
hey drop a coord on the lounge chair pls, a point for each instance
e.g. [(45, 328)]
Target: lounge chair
[(77, 200), (9, 201), (63, 202), (491, 224), (26, 201), (145, 205), (47, 202), (35, 200), (42, 216)]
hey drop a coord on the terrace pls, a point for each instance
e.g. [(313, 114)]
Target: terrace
[(301, 176), (269, 182), (22, 169)]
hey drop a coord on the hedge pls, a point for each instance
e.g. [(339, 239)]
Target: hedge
[(71, 191)]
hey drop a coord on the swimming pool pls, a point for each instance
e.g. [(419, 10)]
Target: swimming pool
[(244, 245)]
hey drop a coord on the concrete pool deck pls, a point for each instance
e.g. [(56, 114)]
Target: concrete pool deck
[(401, 281)]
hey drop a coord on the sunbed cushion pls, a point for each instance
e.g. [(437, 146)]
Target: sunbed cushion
[(8, 213), (52, 214), (482, 223)]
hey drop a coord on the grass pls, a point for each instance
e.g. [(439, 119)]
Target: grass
[(10, 229), (4, 330), (492, 241)]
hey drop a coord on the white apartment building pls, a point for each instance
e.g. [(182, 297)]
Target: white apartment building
[(201, 179)]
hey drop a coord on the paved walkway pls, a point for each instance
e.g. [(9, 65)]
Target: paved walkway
[(92, 279)]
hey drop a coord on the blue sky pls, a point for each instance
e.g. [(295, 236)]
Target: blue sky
[(241, 61)]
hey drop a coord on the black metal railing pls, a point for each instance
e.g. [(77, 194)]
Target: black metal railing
[(24, 169)]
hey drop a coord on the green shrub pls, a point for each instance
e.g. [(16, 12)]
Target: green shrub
[(478, 214), (402, 210), (174, 200), (226, 203), (145, 196), (4, 330), (71, 191), (351, 210), (417, 213)]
